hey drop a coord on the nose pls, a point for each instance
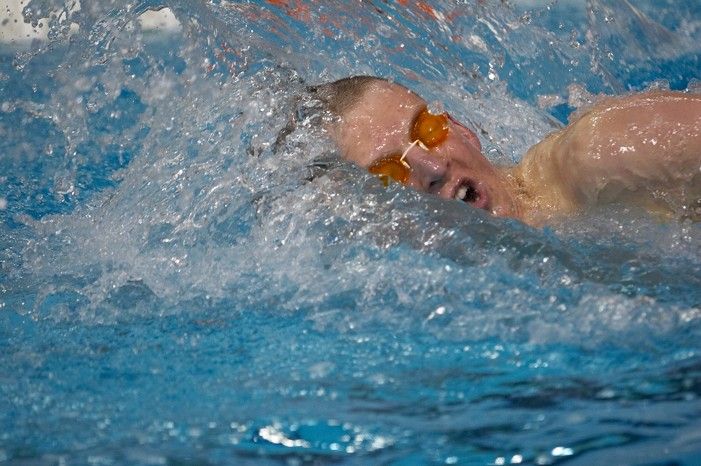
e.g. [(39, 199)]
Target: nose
[(429, 171)]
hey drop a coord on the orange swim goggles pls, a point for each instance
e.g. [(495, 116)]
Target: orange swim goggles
[(427, 130)]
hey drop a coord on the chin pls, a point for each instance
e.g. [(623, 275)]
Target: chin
[(505, 206)]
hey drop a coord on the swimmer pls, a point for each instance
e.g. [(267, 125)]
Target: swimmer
[(642, 149)]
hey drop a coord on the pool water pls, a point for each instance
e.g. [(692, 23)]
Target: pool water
[(186, 278)]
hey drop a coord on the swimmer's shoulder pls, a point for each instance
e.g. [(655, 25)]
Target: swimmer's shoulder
[(629, 147)]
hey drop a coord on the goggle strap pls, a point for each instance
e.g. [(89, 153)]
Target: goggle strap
[(401, 159)]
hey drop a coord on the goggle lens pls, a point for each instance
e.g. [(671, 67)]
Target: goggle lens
[(391, 167), (430, 129)]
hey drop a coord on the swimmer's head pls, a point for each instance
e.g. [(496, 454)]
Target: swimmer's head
[(389, 130)]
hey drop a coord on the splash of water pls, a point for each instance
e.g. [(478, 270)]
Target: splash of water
[(187, 266), (177, 169)]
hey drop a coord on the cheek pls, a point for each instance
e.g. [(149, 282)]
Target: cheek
[(474, 140), (466, 133), (465, 153)]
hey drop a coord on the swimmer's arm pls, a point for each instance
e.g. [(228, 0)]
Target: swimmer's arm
[(623, 147)]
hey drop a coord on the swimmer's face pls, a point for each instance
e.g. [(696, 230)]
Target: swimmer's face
[(379, 128)]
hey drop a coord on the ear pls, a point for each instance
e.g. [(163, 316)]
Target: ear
[(472, 137)]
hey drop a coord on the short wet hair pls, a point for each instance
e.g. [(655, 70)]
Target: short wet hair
[(339, 96), (326, 100)]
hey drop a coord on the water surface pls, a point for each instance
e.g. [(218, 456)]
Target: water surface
[(180, 283)]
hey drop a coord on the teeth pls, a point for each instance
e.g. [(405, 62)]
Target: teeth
[(460, 195)]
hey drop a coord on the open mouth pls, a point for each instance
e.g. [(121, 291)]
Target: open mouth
[(468, 191)]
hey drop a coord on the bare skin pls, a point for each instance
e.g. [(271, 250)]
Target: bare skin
[(643, 149)]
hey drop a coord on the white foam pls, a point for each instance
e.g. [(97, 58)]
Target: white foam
[(14, 30), (162, 21)]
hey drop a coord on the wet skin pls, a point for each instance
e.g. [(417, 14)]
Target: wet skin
[(380, 125), (643, 149)]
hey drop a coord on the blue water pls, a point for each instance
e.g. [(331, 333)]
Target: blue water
[(179, 286)]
